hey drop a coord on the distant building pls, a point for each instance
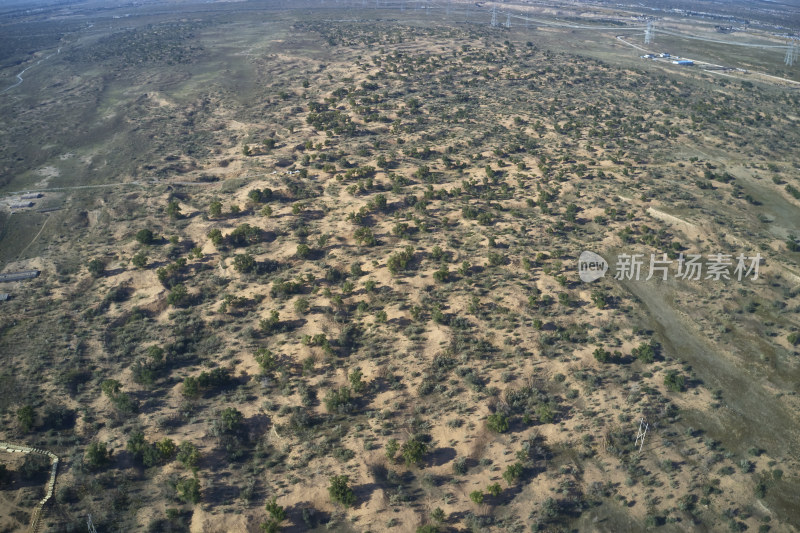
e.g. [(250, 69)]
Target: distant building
[(664, 54), (21, 205), (684, 62), (31, 196), (4, 296)]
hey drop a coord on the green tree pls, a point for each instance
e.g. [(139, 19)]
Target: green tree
[(494, 489), (602, 355), (301, 305), (232, 420), (26, 416), (244, 263), (191, 389), (173, 209), (216, 237), (545, 413), (97, 267), (189, 490), (645, 352), (674, 381), (513, 472), (413, 451), (145, 236), (188, 455), (340, 491), (215, 209), (476, 496), (599, 299), (139, 260), (356, 383), (97, 455), (276, 512), (498, 422), (269, 325), (303, 251), (177, 296), (391, 449)]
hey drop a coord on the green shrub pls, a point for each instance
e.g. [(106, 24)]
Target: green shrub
[(244, 263), (674, 381), (645, 352), (338, 400), (97, 455), (188, 455), (413, 451), (340, 491), (399, 261), (513, 472), (602, 355), (189, 490), (26, 417), (498, 422), (145, 236), (139, 260), (391, 449), (96, 267)]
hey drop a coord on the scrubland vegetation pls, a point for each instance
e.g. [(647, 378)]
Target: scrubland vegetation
[(349, 299)]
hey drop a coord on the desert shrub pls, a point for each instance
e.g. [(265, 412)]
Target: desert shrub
[(244, 235), (645, 353), (96, 267), (139, 260), (391, 449), (57, 417), (244, 263), (189, 490), (602, 355), (338, 400), (674, 381), (26, 417), (498, 422), (35, 468), (177, 295), (399, 261), (145, 236), (340, 492), (460, 466), (188, 455), (413, 450), (216, 237), (97, 456), (270, 324)]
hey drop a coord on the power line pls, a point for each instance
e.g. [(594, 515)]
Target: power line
[(494, 17), (648, 34), (792, 52)]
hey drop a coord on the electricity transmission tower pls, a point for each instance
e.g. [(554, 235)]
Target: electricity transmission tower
[(508, 20), (792, 53), (494, 17), (648, 34), (643, 427), (90, 525)]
